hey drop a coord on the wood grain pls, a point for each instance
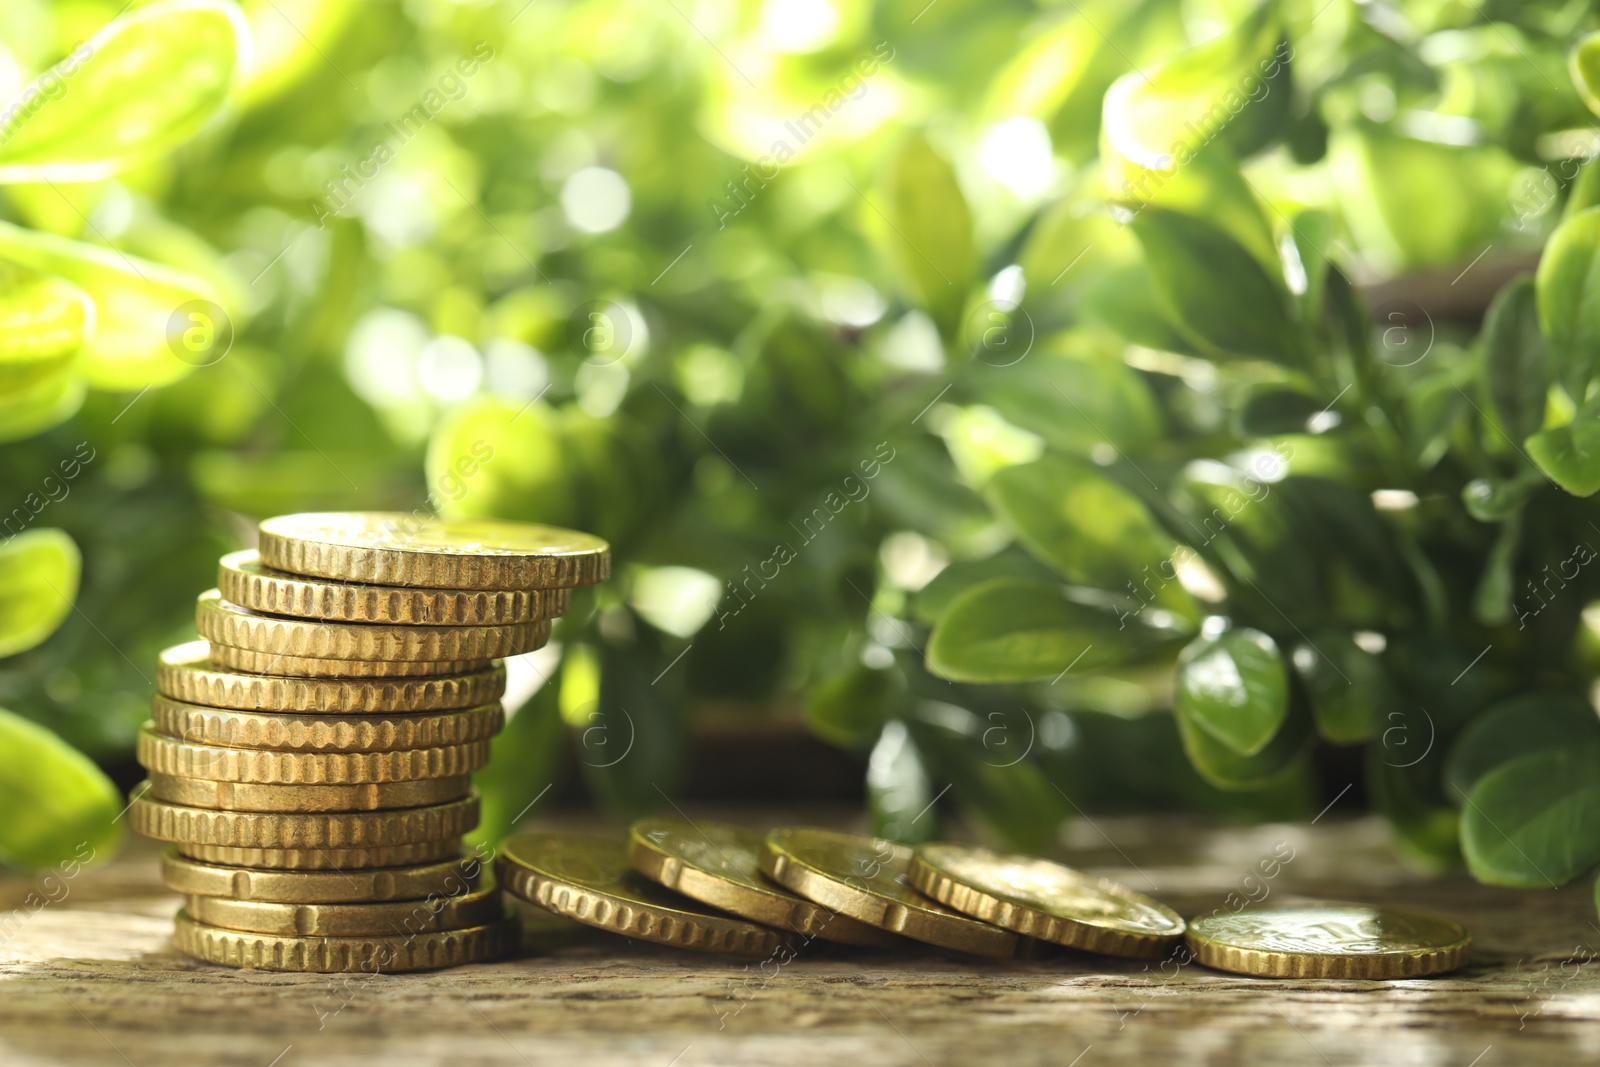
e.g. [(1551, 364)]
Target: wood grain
[(93, 979)]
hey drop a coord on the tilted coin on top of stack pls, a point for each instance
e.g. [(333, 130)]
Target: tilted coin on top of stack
[(311, 757)]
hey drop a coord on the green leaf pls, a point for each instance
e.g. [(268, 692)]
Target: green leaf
[(42, 405), (1570, 454), (927, 231), (526, 758), (1514, 369), (43, 321), (60, 808), (1076, 401), (850, 709), (1492, 602), (1568, 282), (143, 85), (1234, 687), (1535, 822), (1214, 292), (1584, 64), (1275, 409), (898, 792), (935, 598), (1534, 722), (1406, 792), (494, 458), (38, 582), (1282, 758), (1124, 299), (1008, 630), (135, 304), (983, 760), (1495, 501), (1210, 187), (1351, 691), (1090, 530)]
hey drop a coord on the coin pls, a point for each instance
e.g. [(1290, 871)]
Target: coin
[(1329, 940), (161, 754), (586, 877), (865, 878), (331, 955), (317, 830), (242, 580), (720, 865), (223, 623), (239, 796), (1046, 900), (194, 878), (396, 548), (253, 662), (396, 918), (323, 859), (337, 733), (185, 673)]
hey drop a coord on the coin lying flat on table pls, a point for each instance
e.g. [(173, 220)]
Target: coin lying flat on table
[(302, 799), (228, 624), (318, 830), (252, 662), (865, 878), (185, 673), (161, 754), (1329, 941), (720, 865), (1046, 900), (323, 859), (451, 877), (587, 878), (399, 918), (331, 955), (242, 580), (332, 733), (396, 548)]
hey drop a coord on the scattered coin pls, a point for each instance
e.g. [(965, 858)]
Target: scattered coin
[(1046, 900), (1329, 941), (720, 865), (396, 548), (865, 878), (587, 878)]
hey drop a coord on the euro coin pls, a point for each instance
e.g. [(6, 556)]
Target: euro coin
[(396, 918), (334, 955), (451, 877), (242, 796), (396, 548), (1329, 941), (161, 754), (327, 733), (251, 661), (319, 830), (865, 878), (323, 859)]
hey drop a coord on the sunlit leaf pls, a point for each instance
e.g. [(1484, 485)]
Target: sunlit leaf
[(38, 581), (42, 405), (43, 321), (1585, 66), (1570, 454), (146, 83), (926, 231), (60, 808), (1568, 282), (137, 304), (1235, 687)]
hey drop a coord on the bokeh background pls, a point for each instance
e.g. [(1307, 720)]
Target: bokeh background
[(1000, 410)]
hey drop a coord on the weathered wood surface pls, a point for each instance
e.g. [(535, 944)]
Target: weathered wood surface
[(92, 979)]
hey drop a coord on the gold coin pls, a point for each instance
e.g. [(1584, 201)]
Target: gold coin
[(396, 548), (1046, 900), (185, 673), (242, 580), (336, 733), (228, 624), (720, 865), (240, 796), (324, 830), (167, 755), (192, 878), (865, 878), (1329, 941), (395, 918), (253, 662), (323, 859), (333, 955), (586, 877)]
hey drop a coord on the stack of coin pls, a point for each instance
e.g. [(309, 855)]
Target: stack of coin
[(311, 757)]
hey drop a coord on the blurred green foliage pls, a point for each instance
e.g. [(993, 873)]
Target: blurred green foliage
[(995, 377)]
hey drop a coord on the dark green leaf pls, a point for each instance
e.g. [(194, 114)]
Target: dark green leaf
[(1350, 689), (1514, 360), (1535, 822), (1224, 768), (1275, 409), (60, 808), (1570, 454), (1234, 687), (850, 709), (1535, 722)]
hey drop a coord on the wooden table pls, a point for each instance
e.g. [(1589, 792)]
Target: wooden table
[(92, 979)]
